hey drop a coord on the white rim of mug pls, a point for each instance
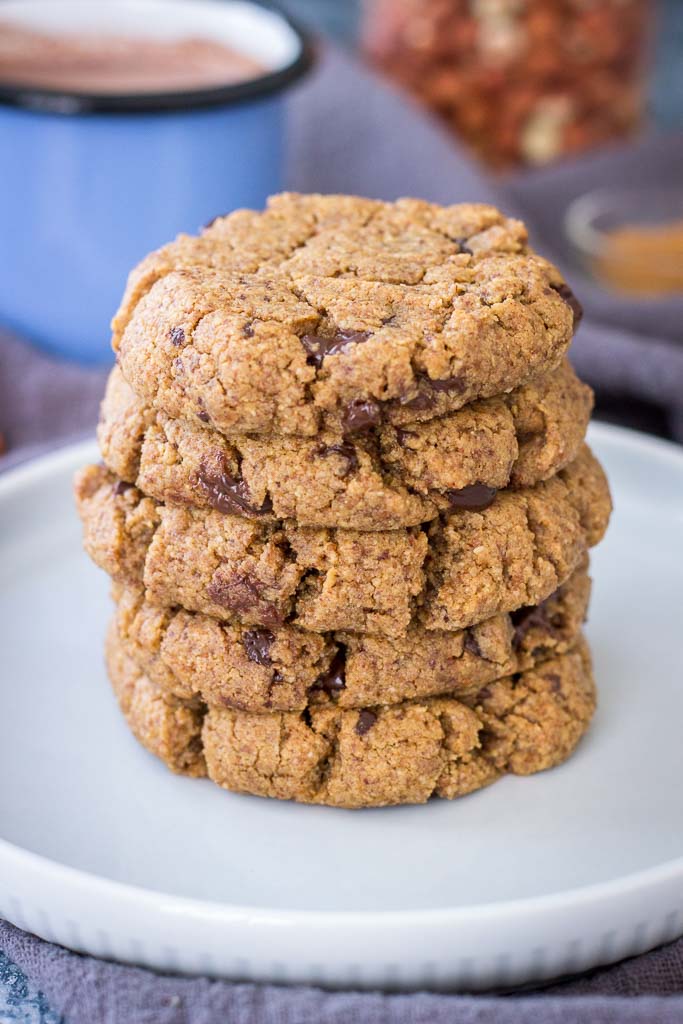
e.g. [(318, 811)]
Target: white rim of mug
[(70, 102)]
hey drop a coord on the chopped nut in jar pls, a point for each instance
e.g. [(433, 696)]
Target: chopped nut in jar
[(521, 81)]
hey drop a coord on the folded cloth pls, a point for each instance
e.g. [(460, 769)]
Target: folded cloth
[(351, 133), (85, 990)]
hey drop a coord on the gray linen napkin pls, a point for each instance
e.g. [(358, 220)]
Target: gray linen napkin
[(642, 991), (349, 133)]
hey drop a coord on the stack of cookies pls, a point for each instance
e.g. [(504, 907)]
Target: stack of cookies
[(347, 504)]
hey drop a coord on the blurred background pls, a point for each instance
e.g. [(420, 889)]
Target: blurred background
[(566, 113), (374, 25)]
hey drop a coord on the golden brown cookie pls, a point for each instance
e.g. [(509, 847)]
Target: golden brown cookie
[(199, 659), (383, 479), (340, 311), (459, 570), (170, 728), (400, 754)]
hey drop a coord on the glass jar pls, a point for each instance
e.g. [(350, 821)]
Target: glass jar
[(521, 81)]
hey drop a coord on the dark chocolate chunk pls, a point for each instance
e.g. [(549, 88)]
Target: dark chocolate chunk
[(257, 644), (361, 415), (447, 384), (345, 450), (424, 399), (317, 346), (485, 693), (242, 593), (333, 680), (463, 246), (565, 292), (428, 390), (248, 330), (474, 497), (529, 617), (472, 644), (365, 722), (554, 680), (203, 416), (525, 437), (227, 493), (402, 435), (177, 335), (120, 487)]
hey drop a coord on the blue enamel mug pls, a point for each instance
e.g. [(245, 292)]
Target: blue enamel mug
[(91, 183)]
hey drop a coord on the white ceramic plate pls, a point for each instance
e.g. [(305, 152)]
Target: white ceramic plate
[(105, 851)]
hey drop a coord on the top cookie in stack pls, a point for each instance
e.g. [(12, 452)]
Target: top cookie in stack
[(282, 354), (345, 476)]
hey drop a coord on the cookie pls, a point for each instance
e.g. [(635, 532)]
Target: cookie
[(199, 659), (459, 570), (340, 311), (170, 728), (401, 754), (380, 480)]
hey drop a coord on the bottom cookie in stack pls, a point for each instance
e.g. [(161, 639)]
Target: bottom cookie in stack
[(401, 753)]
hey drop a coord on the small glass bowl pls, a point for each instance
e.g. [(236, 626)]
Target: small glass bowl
[(630, 239)]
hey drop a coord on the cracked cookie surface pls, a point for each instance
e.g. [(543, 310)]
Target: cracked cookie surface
[(400, 754), (342, 312), (459, 570), (199, 659), (383, 479)]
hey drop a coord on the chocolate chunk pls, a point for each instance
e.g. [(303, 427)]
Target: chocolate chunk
[(361, 415), (428, 390), (333, 681), (485, 693), (474, 497), (345, 450), (529, 617), (525, 437), (318, 347), (448, 384), (203, 416), (177, 335), (366, 720), (120, 487), (227, 493), (402, 435), (565, 292), (242, 593), (462, 245), (472, 644), (248, 330), (424, 399), (257, 644), (555, 681)]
